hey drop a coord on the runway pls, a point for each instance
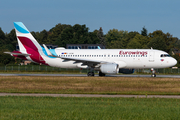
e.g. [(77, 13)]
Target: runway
[(91, 95), (84, 75)]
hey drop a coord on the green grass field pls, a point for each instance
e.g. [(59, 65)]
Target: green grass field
[(52, 108), (62, 108)]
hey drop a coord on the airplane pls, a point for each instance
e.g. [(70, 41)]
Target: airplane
[(106, 61)]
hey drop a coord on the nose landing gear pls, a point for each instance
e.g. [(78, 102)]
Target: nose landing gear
[(153, 73)]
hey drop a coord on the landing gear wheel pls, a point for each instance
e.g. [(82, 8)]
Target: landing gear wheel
[(153, 75), (90, 74), (101, 74)]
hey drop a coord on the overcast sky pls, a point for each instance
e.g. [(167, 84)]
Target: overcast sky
[(129, 15)]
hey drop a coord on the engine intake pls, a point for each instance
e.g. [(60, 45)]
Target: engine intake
[(109, 68)]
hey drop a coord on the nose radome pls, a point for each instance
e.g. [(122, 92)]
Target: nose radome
[(173, 62)]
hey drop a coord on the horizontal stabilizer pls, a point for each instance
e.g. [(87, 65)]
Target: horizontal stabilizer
[(19, 54)]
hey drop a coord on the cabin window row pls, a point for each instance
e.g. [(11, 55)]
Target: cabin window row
[(82, 55), (103, 55), (129, 56)]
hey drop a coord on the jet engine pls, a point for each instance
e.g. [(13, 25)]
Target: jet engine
[(126, 71), (109, 68)]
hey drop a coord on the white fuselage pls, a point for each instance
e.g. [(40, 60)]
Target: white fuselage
[(126, 58)]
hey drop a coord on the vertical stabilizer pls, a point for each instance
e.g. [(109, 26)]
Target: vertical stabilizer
[(28, 44), (25, 39)]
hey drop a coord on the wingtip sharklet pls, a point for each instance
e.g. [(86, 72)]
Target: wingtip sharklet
[(47, 50)]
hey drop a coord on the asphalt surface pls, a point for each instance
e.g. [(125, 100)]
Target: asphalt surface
[(84, 75), (91, 95)]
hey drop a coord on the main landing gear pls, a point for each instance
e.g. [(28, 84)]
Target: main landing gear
[(101, 74), (90, 74), (153, 73)]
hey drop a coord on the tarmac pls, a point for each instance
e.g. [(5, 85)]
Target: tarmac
[(84, 75)]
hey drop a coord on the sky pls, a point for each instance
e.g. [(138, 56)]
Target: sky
[(129, 15)]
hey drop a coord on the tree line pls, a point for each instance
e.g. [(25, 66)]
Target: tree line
[(63, 34)]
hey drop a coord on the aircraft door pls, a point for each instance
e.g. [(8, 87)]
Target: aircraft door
[(151, 56)]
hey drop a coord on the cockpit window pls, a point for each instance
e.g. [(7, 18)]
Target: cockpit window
[(165, 55)]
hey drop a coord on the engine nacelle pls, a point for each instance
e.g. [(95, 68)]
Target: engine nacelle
[(109, 68), (126, 71)]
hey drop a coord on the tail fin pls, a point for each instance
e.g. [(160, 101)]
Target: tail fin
[(28, 44), (25, 40)]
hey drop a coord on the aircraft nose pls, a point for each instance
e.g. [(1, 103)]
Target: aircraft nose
[(173, 62)]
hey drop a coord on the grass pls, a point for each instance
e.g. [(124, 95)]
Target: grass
[(88, 108), (90, 85)]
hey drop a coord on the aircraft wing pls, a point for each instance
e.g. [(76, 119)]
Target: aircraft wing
[(84, 61)]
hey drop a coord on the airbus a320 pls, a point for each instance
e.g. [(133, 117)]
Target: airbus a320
[(106, 61)]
